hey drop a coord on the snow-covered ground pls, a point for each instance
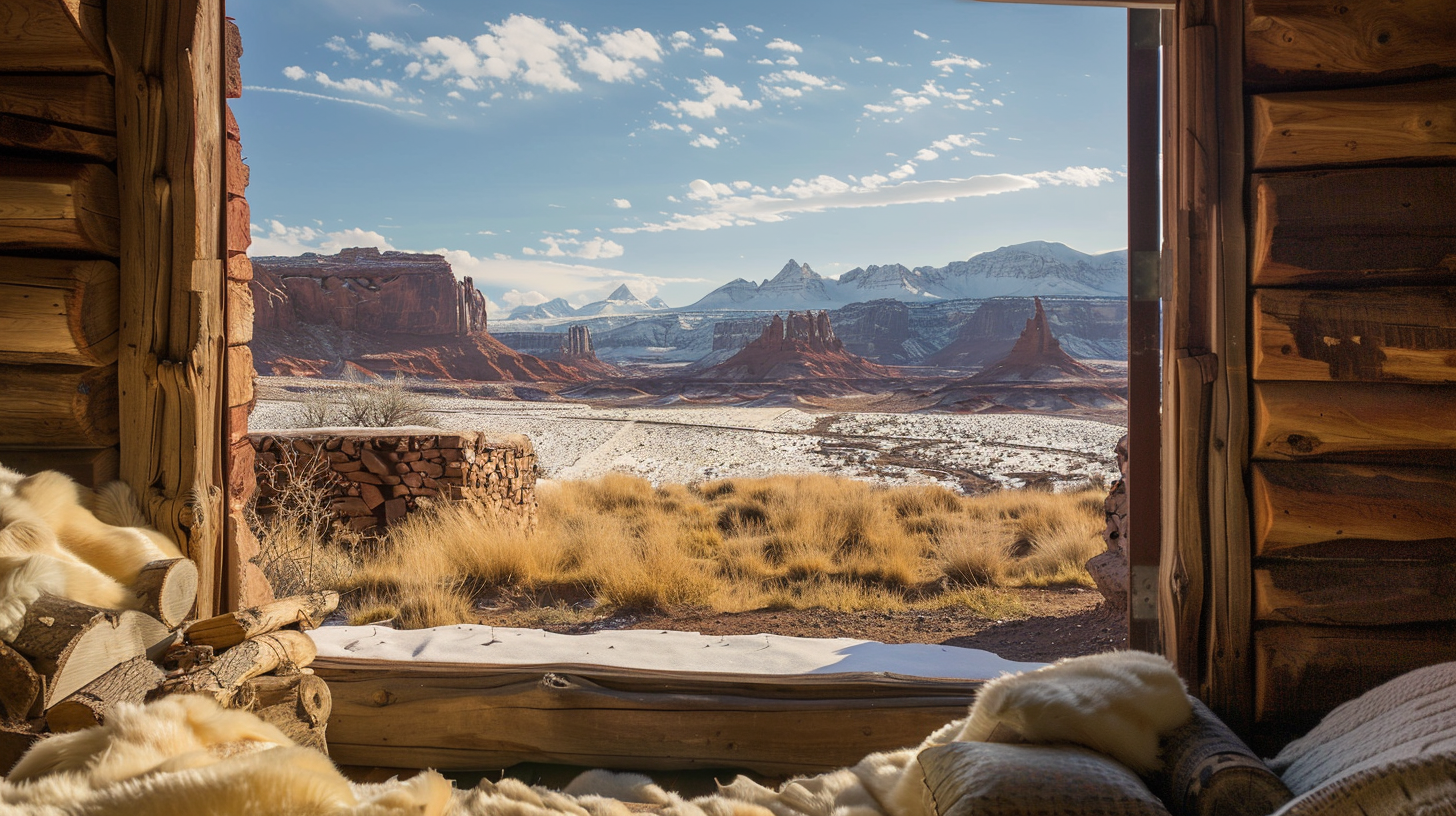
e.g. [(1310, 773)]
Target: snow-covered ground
[(576, 441)]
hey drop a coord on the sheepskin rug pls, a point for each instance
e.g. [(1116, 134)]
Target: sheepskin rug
[(186, 755), (59, 538)]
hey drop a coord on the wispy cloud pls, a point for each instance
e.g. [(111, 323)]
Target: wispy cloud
[(306, 94), (724, 207)]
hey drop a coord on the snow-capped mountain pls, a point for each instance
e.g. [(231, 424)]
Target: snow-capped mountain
[(557, 307), (620, 301), (1036, 268)]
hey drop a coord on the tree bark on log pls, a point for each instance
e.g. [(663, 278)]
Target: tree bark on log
[(20, 686), (129, 682), (58, 406), (226, 631), (224, 677), (168, 590), (298, 704), (71, 644)]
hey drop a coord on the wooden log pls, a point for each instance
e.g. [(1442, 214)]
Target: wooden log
[(1376, 335), (226, 631), (53, 35), (170, 114), (58, 311), (129, 682), (82, 101), (1302, 672), (419, 715), (59, 406), (47, 205), (71, 644), (298, 704), (15, 740), (257, 656), (1350, 592), (28, 136), (1302, 503), (20, 687), (1351, 227), (1307, 420), (89, 467), (1181, 567), (1402, 123), (1315, 42), (168, 590), (1206, 767)]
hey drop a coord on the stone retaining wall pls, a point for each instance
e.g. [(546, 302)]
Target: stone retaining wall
[(376, 476)]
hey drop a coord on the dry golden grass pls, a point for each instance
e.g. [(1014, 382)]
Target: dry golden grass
[(787, 542)]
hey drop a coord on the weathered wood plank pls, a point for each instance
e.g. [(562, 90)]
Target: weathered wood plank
[(58, 205), (475, 716), (1302, 672), (169, 130), (89, 467), (1376, 335), (30, 136), (58, 406), (1304, 420), (1302, 503), (1347, 227), (58, 311), (84, 101), (1317, 42), (1181, 567), (53, 35), (1402, 123), (1353, 592)]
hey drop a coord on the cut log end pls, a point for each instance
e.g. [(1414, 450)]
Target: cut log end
[(168, 589)]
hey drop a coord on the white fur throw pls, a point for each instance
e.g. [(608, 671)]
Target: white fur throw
[(185, 755), (58, 538)]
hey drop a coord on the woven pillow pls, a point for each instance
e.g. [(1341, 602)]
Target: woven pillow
[(1410, 717), (966, 778), (1413, 786)]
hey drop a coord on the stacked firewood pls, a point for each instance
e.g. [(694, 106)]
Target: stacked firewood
[(70, 664)]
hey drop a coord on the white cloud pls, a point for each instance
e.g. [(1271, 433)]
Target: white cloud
[(455, 95), (755, 29), (789, 61), (294, 72), (520, 47), (721, 33), (950, 63), (712, 51), (515, 298), (881, 108), (681, 40), (621, 204), (998, 103), (616, 58), (721, 207), (874, 59), (784, 45), (591, 249), (717, 95), (763, 62), (926, 154), (704, 140), (386, 42), (384, 88), (337, 44), (278, 239), (921, 34), (529, 278)]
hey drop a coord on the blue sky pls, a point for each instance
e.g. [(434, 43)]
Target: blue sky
[(558, 148)]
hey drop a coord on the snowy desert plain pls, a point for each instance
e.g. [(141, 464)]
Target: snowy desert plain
[(965, 452)]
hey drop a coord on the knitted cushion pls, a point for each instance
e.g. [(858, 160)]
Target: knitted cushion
[(1411, 786), (974, 778), (1412, 716)]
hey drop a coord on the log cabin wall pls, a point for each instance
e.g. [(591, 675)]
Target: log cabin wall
[(1351, 159), (112, 270), (60, 241)]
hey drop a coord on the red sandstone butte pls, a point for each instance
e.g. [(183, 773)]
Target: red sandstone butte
[(801, 347), (1036, 357), (386, 313)]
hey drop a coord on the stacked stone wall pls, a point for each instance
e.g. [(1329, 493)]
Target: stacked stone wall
[(374, 479)]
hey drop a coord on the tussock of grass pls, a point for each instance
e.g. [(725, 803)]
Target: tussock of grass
[(786, 542)]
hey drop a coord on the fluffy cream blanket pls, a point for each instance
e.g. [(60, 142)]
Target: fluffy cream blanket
[(185, 755)]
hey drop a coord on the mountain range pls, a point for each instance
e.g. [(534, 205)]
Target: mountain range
[(1036, 268), (620, 301)]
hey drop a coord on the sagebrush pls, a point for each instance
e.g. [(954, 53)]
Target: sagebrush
[(380, 404)]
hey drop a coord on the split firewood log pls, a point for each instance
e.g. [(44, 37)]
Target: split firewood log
[(71, 644), (130, 682), (226, 631), (298, 704), (168, 589), (15, 739), (287, 651), (20, 687)]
